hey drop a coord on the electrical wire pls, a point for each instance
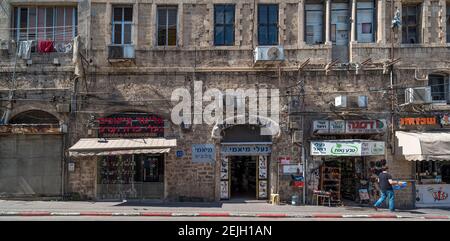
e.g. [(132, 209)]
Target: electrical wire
[(310, 93)]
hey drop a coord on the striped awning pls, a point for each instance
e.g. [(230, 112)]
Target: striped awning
[(110, 147), (423, 146)]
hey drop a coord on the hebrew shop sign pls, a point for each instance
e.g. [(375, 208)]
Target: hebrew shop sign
[(349, 126), (131, 125), (347, 148)]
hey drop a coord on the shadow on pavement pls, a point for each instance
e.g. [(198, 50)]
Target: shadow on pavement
[(138, 203)]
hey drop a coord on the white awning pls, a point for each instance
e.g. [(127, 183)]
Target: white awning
[(423, 146), (106, 147)]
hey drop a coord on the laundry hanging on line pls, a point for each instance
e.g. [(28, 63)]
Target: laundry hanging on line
[(24, 50), (45, 46)]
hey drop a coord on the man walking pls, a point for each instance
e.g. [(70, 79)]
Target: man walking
[(386, 182)]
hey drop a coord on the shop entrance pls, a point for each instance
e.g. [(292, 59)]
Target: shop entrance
[(243, 177), (350, 180)]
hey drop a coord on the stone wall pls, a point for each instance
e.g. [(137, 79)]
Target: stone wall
[(82, 182)]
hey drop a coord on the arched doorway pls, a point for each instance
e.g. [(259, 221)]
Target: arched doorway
[(245, 156), (31, 155)]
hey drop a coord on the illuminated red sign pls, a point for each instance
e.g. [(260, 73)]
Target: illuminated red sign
[(131, 125)]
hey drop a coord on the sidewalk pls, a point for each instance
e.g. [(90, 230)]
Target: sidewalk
[(216, 209)]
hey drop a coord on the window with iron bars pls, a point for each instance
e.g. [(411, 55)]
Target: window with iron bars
[(58, 24)]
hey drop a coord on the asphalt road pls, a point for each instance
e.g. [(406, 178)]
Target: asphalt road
[(100, 218)]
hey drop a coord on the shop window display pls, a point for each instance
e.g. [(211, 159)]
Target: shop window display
[(432, 183), (433, 172), (352, 181), (117, 174), (131, 176)]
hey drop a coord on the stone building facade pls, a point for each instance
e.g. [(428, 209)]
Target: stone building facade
[(345, 56)]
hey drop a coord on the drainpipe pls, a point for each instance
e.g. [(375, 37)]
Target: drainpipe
[(7, 113)]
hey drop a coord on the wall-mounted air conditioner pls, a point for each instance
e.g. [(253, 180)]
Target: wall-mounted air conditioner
[(340, 101), (269, 54), (343, 101), (418, 95), (121, 52)]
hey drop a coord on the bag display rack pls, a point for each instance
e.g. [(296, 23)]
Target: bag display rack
[(330, 181)]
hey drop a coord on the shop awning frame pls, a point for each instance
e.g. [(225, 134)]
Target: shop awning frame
[(423, 146), (121, 146)]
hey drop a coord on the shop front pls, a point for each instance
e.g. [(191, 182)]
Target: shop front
[(349, 169), (346, 161), (126, 168), (244, 163), (129, 157), (31, 155), (431, 153)]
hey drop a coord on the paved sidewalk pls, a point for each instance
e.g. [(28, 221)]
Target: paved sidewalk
[(216, 209)]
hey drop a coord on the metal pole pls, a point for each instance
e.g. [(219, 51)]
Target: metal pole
[(304, 173)]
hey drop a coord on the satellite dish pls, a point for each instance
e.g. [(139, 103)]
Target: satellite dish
[(273, 53)]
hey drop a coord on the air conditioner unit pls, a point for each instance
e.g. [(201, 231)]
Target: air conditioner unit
[(269, 54), (121, 52), (344, 101), (418, 95), (363, 101), (340, 101), (297, 137), (357, 101)]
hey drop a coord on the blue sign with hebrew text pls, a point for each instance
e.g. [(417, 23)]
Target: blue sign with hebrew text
[(203, 153)]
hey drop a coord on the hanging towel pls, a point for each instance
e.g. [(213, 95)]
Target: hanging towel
[(45, 46), (76, 60), (75, 56), (24, 51)]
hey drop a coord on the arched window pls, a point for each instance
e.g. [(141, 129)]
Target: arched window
[(34, 117), (439, 87)]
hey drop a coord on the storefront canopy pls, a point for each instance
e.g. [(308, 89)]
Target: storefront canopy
[(108, 147), (423, 146)]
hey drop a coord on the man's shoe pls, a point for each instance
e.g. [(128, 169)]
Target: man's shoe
[(375, 207)]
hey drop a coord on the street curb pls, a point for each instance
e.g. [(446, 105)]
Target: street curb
[(95, 214), (327, 215), (437, 217), (221, 214), (214, 214)]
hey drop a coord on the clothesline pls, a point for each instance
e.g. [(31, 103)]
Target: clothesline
[(59, 26), (27, 36), (69, 35)]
